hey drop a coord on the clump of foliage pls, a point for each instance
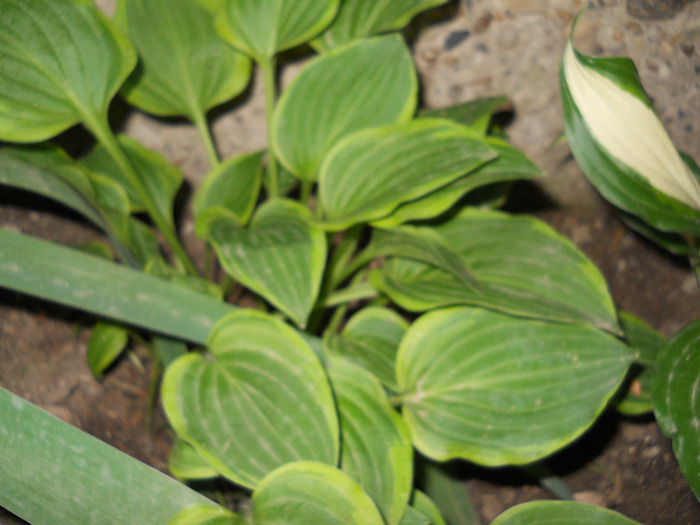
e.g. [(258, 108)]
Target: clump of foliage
[(401, 314)]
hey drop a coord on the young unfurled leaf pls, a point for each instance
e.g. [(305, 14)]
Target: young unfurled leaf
[(66, 62), (107, 342), (376, 446), (523, 267), (262, 28), (371, 83), (560, 513), (370, 173), (258, 400), (185, 67), (281, 255), (306, 493), (676, 399), (358, 19), (501, 390)]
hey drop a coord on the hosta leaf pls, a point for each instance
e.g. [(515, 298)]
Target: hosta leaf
[(281, 255), (510, 165), (422, 503), (234, 185), (499, 390), (560, 513), (106, 343), (262, 28), (450, 493), (376, 446), (635, 396), (523, 267), (258, 400), (160, 178), (414, 517), (358, 19), (676, 398), (368, 174), (370, 339), (622, 146), (185, 67), (184, 462), (206, 515), (66, 62), (305, 493), (476, 113), (371, 83)]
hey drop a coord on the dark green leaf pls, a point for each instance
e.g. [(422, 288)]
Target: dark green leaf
[(449, 493), (106, 344)]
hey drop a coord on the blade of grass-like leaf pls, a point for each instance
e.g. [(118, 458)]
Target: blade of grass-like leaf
[(54, 473), (89, 283)]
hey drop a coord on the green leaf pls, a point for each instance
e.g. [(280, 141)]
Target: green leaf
[(160, 178), (499, 390), (258, 400), (184, 462), (449, 493), (523, 267), (281, 255), (510, 165), (635, 396), (54, 473), (422, 503), (370, 339), (106, 344), (262, 28), (185, 67), (414, 517), (142, 241), (376, 446), (206, 515), (234, 185), (80, 280), (370, 83), (358, 19), (370, 173), (475, 113), (675, 386), (560, 513), (66, 61), (305, 493)]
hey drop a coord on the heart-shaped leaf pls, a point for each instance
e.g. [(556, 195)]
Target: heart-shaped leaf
[(359, 19), (234, 185), (560, 513), (262, 28), (368, 174), (500, 390), (258, 400), (371, 338), (281, 255), (676, 399), (523, 267), (185, 67), (371, 83), (376, 446), (66, 62), (307, 493)]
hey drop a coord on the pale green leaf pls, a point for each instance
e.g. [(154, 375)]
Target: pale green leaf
[(280, 256), (376, 446), (358, 19), (262, 28), (414, 517), (500, 390), (185, 67), (258, 400), (206, 515), (184, 462), (370, 173), (427, 507), (66, 62), (560, 513), (476, 113), (107, 342), (306, 493), (676, 399), (523, 267), (370, 83)]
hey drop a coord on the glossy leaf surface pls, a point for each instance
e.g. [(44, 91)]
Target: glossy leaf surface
[(560, 513), (258, 400), (306, 492), (66, 61), (371, 83), (499, 390), (368, 174)]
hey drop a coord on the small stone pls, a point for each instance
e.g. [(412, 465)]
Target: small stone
[(591, 497), (483, 22), (651, 452), (688, 48)]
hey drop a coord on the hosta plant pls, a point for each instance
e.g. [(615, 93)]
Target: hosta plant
[(400, 314)]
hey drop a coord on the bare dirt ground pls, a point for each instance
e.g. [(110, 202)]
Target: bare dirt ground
[(466, 50)]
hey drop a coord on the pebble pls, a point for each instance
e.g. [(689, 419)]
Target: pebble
[(651, 452)]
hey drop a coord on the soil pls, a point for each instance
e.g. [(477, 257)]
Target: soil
[(466, 50)]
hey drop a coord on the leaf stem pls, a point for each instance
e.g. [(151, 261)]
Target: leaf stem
[(269, 67), (200, 121)]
